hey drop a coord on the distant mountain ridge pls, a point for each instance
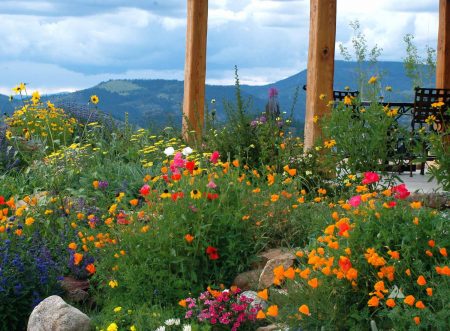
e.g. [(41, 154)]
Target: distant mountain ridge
[(158, 102)]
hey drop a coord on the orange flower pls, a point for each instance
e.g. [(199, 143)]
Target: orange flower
[(408, 272), (373, 302), (394, 255), (289, 273), (90, 268), (313, 283), (443, 251), (428, 253), (72, 246), (409, 300), (182, 303), (95, 184), (390, 303), (305, 273), (416, 320), (260, 315), (431, 243), (420, 305), (274, 197), (263, 294), (77, 257), (272, 311), (421, 280), (236, 163), (189, 238), (429, 291), (416, 205), (304, 309), (134, 202)]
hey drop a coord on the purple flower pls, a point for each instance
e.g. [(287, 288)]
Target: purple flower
[(102, 184), (273, 92)]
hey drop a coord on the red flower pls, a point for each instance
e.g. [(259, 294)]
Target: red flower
[(177, 195), (145, 190), (190, 165), (214, 157), (392, 204), (212, 196), (342, 228), (212, 253), (176, 176), (344, 263), (2, 200), (401, 192), (370, 177), (166, 178)]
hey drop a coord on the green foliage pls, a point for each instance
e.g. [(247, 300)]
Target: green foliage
[(420, 70), (363, 265)]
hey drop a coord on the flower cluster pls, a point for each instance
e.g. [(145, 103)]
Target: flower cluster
[(228, 308)]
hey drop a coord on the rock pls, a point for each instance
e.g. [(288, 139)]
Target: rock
[(76, 290), (274, 253), (248, 280), (53, 314), (256, 299), (271, 327), (432, 200), (276, 258)]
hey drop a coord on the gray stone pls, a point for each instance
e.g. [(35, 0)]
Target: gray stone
[(54, 314), (248, 280), (266, 278), (256, 299)]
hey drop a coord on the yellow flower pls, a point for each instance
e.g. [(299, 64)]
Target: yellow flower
[(94, 99), (133, 328), (430, 119), (329, 143), (372, 80), (348, 100), (322, 96), (196, 194), (112, 327), (315, 119), (8, 134), (29, 221), (416, 205), (117, 309), (113, 283), (35, 97), (437, 104)]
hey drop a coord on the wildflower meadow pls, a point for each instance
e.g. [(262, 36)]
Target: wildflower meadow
[(156, 228)]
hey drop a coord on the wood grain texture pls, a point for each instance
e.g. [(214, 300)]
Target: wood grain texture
[(322, 37), (443, 46), (195, 68)]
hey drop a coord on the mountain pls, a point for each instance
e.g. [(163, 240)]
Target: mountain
[(157, 103)]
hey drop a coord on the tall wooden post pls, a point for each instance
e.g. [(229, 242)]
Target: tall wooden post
[(443, 46), (195, 67), (322, 37)]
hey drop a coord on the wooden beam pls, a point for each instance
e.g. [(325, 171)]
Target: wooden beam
[(443, 46), (322, 37), (195, 68)]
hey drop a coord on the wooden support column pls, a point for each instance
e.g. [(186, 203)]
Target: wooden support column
[(195, 68), (443, 46), (322, 37)]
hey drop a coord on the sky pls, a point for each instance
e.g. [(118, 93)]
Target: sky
[(68, 45)]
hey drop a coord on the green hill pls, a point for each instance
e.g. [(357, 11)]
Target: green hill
[(157, 103)]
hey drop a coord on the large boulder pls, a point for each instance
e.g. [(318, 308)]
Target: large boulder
[(54, 314)]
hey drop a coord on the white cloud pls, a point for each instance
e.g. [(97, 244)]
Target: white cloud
[(72, 44)]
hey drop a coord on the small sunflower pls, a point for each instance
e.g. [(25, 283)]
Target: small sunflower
[(94, 99), (196, 194)]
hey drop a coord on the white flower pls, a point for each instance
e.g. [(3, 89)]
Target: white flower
[(187, 328), (169, 151), (186, 151), (161, 328), (307, 172), (172, 321)]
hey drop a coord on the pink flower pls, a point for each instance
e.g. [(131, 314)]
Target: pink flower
[(178, 160), (355, 201), (145, 190), (401, 192), (211, 184), (370, 177), (214, 157)]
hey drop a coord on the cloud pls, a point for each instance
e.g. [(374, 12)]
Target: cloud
[(78, 43)]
